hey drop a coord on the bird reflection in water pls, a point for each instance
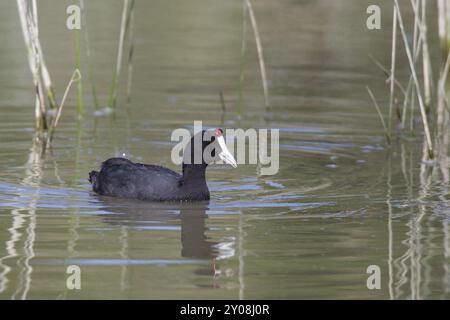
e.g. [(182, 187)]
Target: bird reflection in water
[(134, 214)]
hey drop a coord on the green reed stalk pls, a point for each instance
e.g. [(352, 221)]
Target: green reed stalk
[(259, 48), (443, 104), (88, 53), (78, 67), (113, 87), (130, 28)]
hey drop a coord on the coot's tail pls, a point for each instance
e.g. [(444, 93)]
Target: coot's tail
[(93, 179)]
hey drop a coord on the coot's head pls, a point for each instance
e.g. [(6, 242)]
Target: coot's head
[(206, 147)]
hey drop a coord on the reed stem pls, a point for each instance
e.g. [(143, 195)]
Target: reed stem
[(242, 62), (392, 76), (113, 88), (426, 63), (377, 107), (416, 82), (76, 76), (78, 67), (130, 28), (34, 62), (444, 20), (88, 53), (259, 48)]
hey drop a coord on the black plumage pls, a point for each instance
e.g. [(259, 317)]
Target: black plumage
[(120, 177)]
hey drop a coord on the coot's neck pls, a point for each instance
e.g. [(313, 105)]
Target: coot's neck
[(194, 174)]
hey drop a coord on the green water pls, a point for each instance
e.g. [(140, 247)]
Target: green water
[(341, 201)]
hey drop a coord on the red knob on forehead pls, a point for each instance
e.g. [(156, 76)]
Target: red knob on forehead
[(219, 132)]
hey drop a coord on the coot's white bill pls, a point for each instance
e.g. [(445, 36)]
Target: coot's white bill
[(225, 155)]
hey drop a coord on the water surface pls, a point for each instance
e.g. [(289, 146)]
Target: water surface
[(341, 201)]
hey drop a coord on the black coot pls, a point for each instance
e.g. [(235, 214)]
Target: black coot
[(119, 177)]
